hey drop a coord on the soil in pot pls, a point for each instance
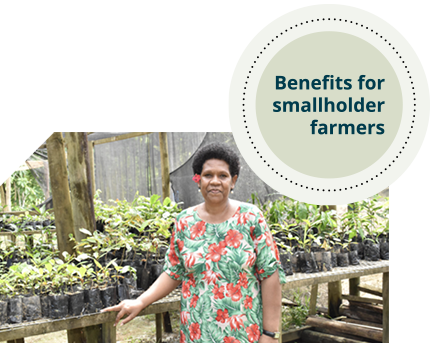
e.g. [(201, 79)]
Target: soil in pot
[(343, 259), (76, 303), (32, 308), (15, 310), (353, 257), (372, 252), (45, 306), (109, 296), (3, 312), (92, 300), (59, 305), (384, 251)]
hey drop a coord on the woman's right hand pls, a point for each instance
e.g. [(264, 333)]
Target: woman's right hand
[(127, 307)]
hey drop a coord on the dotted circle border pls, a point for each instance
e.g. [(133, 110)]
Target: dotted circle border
[(291, 28)]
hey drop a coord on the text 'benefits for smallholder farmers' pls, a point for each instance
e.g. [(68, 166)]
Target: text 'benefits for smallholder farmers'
[(323, 104)]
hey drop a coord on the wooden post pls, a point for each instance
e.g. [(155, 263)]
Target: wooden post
[(2, 195), (91, 146), (385, 291), (60, 190), (108, 332), (158, 323), (93, 334), (82, 201), (5, 194), (19, 340), (76, 336), (353, 286), (313, 300), (164, 165), (334, 298)]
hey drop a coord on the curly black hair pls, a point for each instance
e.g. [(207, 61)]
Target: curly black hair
[(220, 152)]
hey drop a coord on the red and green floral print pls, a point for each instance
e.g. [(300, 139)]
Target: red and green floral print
[(221, 267)]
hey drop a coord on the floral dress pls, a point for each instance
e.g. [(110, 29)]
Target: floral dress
[(221, 267)]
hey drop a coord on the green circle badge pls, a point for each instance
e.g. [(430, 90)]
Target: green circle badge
[(329, 104)]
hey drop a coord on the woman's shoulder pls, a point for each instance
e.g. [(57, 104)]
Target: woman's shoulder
[(187, 212), (248, 207)]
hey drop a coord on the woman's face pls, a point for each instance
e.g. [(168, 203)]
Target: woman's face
[(216, 181)]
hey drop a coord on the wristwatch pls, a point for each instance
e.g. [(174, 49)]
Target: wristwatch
[(275, 335)]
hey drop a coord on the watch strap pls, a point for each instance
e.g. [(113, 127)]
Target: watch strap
[(275, 335)]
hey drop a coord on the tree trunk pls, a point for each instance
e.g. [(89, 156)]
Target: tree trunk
[(164, 165), (60, 191), (82, 201)]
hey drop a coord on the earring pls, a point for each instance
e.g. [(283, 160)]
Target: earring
[(199, 190), (232, 190)]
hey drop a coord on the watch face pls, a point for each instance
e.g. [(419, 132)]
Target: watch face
[(277, 335)]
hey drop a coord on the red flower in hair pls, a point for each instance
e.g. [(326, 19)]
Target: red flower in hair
[(196, 178)]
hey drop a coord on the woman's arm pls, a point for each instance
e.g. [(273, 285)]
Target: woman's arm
[(271, 298), (163, 286)]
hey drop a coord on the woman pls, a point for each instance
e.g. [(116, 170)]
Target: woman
[(224, 254)]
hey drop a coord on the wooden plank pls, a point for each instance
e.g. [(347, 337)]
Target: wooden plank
[(364, 268), (334, 298), (91, 146), (313, 299), (32, 165), (370, 290), (385, 289), (45, 326), (362, 322), (309, 336), (120, 137), (35, 232), (291, 335), (370, 333), (362, 299)]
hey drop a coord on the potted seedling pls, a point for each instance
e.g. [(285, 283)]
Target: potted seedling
[(5, 291), (106, 283), (59, 302), (307, 260)]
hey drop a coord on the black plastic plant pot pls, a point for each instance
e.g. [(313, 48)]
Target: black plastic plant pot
[(324, 261), (145, 279), (310, 263), (155, 272), (76, 303), (353, 258), (384, 251), (372, 252), (343, 259), (334, 259), (294, 259), (285, 263), (135, 293), (15, 310), (45, 306), (92, 300), (59, 305), (32, 308), (123, 292), (109, 296), (3, 312)]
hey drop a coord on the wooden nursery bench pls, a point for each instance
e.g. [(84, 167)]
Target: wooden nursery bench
[(102, 329), (100, 325)]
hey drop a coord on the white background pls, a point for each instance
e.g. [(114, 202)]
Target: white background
[(167, 66)]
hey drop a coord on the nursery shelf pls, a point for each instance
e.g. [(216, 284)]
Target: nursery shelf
[(336, 274), (108, 332)]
